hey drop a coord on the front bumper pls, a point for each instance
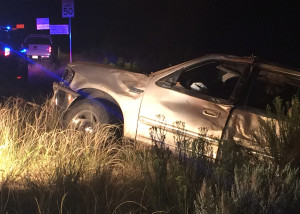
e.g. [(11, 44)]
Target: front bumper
[(63, 97)]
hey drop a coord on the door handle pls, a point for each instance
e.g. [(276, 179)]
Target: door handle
[(211, 113)]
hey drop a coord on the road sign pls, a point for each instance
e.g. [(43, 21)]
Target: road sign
[(42, 23), (59, 29), (67, 8), (68, 12)]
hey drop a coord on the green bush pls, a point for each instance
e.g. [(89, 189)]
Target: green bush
[(259, 189), (279, 134)]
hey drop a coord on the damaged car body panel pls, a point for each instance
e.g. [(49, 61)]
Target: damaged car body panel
[(271, 81), (125, 88), (221, 95), (199, 108)]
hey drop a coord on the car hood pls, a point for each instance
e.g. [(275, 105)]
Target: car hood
[(97, 76)]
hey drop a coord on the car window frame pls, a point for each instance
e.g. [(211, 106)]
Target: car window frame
[(250, 85), (169, 82)]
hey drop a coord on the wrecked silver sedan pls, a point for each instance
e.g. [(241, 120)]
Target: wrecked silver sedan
[(224, 95)]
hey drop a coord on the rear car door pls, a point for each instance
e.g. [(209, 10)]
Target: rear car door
[(268, 82), (200, 96)]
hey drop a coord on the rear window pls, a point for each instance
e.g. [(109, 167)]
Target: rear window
[(38, 40)]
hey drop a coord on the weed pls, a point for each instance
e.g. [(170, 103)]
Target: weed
[(46, 169), (279, 134)]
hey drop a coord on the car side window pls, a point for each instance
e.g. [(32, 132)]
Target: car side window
[(270, 85), (214, 79)]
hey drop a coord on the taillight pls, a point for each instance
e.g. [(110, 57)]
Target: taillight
[(50, 49), (6, 51)]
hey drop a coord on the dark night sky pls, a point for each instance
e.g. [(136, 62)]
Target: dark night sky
[(172, 31)]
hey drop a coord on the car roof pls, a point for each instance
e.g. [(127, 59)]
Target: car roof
[(32, 36), (280, 69), (208, 57), (251, 60)]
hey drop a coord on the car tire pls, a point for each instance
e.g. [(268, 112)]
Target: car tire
[(85, 114)]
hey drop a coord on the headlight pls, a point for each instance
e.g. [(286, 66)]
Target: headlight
[(67, 77)]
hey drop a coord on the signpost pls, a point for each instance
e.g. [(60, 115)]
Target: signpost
[(68, 12)]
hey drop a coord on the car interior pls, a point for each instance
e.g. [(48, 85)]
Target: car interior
[(270, 85), (214, 79)]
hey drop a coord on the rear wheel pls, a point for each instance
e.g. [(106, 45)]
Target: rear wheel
[(85, 114)]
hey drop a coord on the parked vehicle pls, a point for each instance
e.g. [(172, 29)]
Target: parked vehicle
[(224, 95), (13, 63), (40, 47)]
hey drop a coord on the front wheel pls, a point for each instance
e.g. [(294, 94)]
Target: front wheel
[(85, 114)]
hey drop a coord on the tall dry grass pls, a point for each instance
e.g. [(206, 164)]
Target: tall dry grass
[(46, 169), (55, 169)]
